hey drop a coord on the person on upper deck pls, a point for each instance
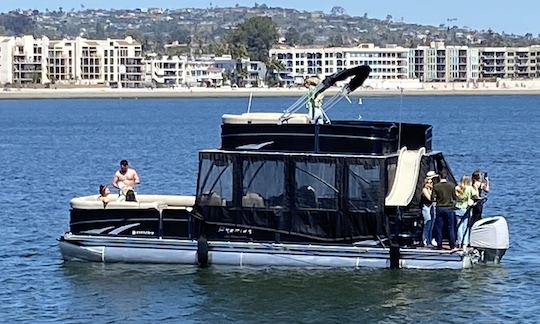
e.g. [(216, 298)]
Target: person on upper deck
[(125, 178), (444, 196), (427, 208), (314, 102)]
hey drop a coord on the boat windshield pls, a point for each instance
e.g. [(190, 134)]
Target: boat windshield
[(316, 185), (215, 182), (364, 184), (263, 183)]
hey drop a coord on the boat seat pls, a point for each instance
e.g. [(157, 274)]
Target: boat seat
[(305, 197), (264, 118), (170, 200), (78, 203), (212, 199), (143, 201), (253, 199)]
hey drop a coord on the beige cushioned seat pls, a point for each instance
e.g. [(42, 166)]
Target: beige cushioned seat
[(253, 199), (264, 118), (143, 202)]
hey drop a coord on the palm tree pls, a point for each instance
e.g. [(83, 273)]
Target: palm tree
[(273, 67)]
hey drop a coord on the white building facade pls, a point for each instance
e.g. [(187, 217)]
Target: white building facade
[(387, 63), (25, 60)]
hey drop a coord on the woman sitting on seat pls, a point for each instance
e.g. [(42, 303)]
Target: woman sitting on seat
[(104, 193)]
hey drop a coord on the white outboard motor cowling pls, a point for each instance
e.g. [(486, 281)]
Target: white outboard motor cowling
[(490, 237)]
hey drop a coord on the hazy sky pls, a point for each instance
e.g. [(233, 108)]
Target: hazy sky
[(519, 17)]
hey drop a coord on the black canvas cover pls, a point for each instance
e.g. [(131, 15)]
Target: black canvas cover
[(325, 198)]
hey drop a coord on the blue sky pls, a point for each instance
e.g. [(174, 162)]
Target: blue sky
[(518, 18)]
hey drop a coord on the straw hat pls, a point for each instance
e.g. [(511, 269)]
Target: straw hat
[(431, 174)]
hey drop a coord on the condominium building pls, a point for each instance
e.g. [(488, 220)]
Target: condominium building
[(390, 62), (23, 60), (26, 60), (166, 70), (116, 62), (510, 62), (253, 72), (62, 62), (440, 63), (201, 71), (6, 59)]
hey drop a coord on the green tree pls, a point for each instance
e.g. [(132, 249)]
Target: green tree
[(292, 36), (273, 66), (100, 30), (257, 34), (307, 39)]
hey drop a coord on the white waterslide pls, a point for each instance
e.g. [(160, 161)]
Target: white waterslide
[(406, 177)]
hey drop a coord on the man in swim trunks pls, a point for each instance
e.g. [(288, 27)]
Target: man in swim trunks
[(125, 178)]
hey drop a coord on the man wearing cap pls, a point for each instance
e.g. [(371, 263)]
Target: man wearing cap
[(444, 196)]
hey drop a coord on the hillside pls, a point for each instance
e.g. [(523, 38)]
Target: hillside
[(201, 28)]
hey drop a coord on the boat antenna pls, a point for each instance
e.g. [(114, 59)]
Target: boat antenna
[(400, 116), (249, 103)]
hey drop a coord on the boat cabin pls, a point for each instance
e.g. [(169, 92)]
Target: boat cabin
[(286, 191)]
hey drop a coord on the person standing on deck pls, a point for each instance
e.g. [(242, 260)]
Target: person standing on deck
[(125, 178), (314, 102), (444, 196)]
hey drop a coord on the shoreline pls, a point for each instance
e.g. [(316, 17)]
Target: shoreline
[(107, 93)]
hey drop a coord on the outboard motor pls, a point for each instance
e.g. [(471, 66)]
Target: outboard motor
[(490, 237)]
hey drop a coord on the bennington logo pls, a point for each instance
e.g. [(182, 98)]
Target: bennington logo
[(229, 230), (142, 233)]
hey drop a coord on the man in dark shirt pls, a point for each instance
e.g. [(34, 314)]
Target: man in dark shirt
[(444, 196)]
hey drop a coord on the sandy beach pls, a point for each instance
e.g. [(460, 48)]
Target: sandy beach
[(512, 88)]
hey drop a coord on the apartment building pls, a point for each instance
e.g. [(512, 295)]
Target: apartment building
[(6, 59), (26, 60), (387, 63), (440, 63), (254, 72), (166, 70), (61, 61), (510, 62), (115, 62), (201, 71)]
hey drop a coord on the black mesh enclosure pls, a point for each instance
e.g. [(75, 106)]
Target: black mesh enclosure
[(324, 198)]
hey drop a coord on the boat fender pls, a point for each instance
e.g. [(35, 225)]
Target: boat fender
[(202, 251), (395, 255)]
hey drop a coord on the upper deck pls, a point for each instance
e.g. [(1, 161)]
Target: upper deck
[(266, 132)]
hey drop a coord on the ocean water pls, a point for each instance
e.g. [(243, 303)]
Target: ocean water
[(53, 150)]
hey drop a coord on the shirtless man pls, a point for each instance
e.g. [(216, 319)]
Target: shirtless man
[(125, 178)]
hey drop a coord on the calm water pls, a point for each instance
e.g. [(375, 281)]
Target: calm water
[(53, 150)]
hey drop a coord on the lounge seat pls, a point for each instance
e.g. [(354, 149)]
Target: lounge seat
[(143, 202), (253, 199)]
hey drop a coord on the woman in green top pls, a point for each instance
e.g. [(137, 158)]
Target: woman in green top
[(465, 193)]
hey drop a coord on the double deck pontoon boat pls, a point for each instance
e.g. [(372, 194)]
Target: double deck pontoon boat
[(285, 190)]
